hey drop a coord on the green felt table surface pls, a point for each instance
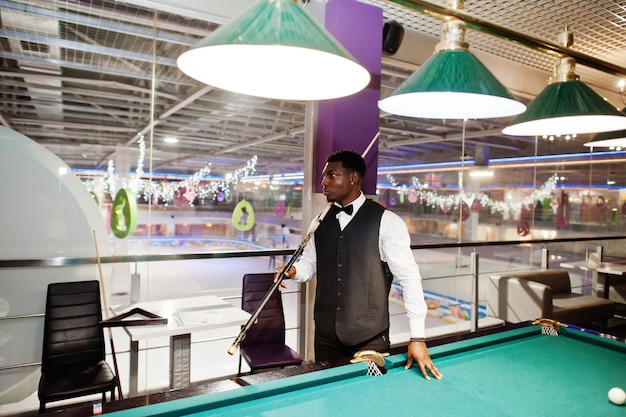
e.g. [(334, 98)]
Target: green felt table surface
[(518, 372)]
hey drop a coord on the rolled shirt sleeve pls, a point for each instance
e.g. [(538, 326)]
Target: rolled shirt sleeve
[(395, 249)]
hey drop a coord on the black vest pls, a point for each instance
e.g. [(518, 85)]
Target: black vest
[(352, 299)]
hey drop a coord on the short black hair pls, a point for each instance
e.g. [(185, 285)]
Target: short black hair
[(350, 160)]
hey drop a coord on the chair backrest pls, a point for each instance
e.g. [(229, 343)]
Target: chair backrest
[(73, 335), (557, 279), (270, 326), (515, 299)]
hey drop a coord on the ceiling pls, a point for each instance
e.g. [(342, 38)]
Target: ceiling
[(77, 77)]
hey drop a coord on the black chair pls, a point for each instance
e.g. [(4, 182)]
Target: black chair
[(73, 359), (264, 345)]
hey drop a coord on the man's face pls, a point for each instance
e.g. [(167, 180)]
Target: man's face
[(336, 183)]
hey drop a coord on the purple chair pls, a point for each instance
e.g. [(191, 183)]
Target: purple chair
[(264, 345)]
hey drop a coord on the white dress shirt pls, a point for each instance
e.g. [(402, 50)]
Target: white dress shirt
[(394, 248)]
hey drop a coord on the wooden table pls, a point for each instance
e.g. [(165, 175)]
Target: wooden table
[(185, 315)]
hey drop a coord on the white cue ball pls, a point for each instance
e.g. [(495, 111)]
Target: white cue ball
[(617, 396)]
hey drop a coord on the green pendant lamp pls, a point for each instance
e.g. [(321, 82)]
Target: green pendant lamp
[(608, 140), (613, 140), (275, 50), (567, 106), (452, 84)]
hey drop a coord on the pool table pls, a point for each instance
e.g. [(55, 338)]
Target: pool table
[(516, 372)]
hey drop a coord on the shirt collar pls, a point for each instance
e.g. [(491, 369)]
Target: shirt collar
[(356, 204)]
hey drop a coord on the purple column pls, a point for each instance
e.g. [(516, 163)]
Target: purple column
[(352, 122)]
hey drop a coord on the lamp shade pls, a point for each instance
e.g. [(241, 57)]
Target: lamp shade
[(616, 139), (608, 140), (275, 50), (567, 107), (452, 84)]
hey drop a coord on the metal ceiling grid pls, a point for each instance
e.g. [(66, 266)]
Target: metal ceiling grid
[(599, 29)]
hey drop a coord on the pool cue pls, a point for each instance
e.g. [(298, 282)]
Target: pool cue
[(106, 312), (244, 330)]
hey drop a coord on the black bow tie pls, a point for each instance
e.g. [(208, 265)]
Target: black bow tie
[(348, 209)]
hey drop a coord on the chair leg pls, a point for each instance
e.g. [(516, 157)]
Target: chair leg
[(42, 407), (239, 369)]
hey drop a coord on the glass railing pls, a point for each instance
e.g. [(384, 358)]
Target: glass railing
[(454, 280)]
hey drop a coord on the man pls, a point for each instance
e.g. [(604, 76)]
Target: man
[(352, 251)]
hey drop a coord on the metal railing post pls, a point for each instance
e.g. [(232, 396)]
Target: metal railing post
[(475, 276), (545, 253)]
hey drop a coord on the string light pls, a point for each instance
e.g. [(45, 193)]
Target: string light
[(446, 202), (551, 138), (109, 179), (195, 186), (142, 154)]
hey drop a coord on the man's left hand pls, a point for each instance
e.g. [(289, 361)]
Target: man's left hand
[(418, 352)]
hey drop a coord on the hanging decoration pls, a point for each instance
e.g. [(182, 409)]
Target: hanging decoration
[(243, 216), (178, 198), (124, 214), (561, 221), (554, 204), (523, 228), (190, 195), (465, 211), (478, 201), (179, 193), (281, 208), (476, 206)]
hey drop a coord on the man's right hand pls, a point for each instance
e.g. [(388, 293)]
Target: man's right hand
[(288, 275)]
